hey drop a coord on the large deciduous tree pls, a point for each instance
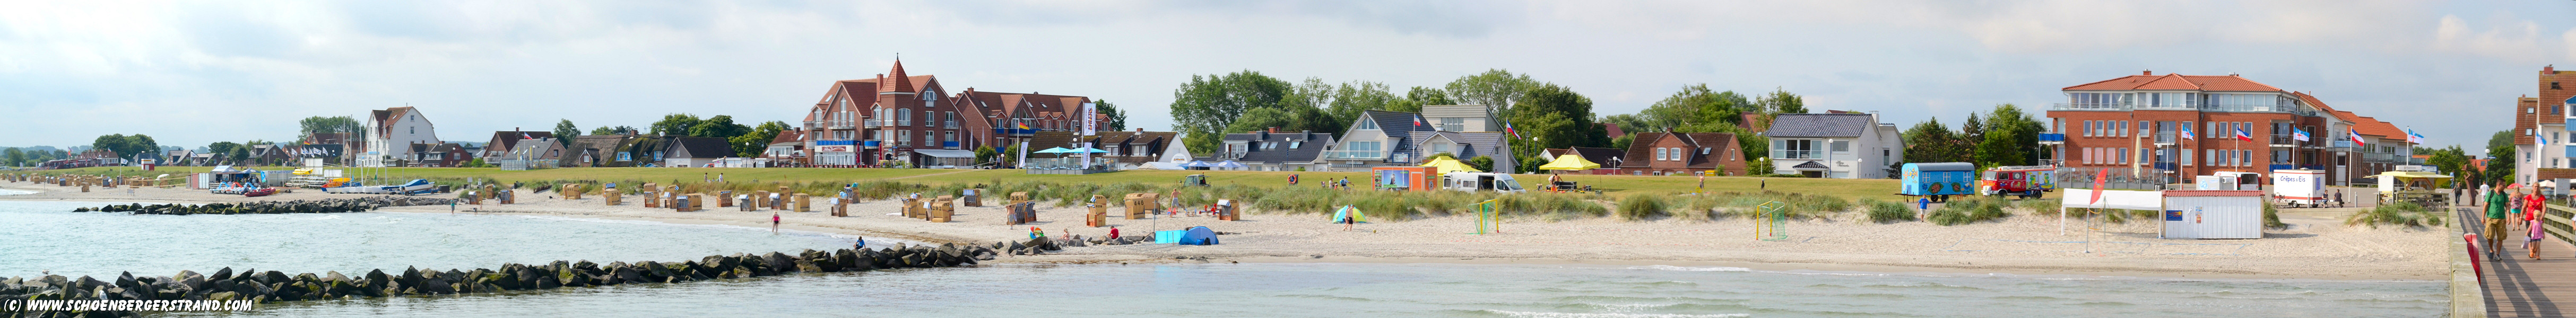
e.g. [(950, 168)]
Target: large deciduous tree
[(334, 124), (1205, 106), (1117, 118), (126, 146), (752, 144), (2009, 139), (1551, 116), (720, 126), (1496, 87), (564, 131), (1930, 141), (674, 125)]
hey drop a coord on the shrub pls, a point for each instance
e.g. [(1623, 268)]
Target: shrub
[(1965, 211), (1642, 206), (2401, 213), (2272, 217), (1887, 212)]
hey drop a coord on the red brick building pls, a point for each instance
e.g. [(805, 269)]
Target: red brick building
[(2186, 126), (862, 122), (2546, 115), (1661, 153)]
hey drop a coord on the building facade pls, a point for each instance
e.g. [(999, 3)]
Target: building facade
[(396, 130), (2180, 126), (2545, 117), (865, 121), (1665, 153), (1840, 145)]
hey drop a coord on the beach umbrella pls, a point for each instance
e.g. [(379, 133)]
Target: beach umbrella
[(1196, 163), (1088, 149), (1054, 150), (1230, 164), (1570, 162), (1348, 212), (1450, 164)]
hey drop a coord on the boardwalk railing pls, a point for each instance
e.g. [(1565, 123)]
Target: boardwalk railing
[(2555, 222)]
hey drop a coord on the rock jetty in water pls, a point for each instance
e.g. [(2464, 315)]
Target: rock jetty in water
[(272, 286), (273, 207)]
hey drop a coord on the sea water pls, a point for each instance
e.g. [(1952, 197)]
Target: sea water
[(43, 235)]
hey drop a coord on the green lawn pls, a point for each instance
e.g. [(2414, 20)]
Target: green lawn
[(1882, 189)]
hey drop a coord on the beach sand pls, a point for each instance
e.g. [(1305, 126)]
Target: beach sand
[(2316, 246)]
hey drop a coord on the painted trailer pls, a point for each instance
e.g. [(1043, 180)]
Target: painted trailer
[(1938, 180), (2024, 181), (2299, 187)]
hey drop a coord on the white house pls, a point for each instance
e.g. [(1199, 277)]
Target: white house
[(1836, 145), (397, 129), (1384, 138)]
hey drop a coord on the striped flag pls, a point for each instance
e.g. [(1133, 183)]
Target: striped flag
[(2356, 138), (2242, 136), (2414, 138), (2186, 133), (2299, 134)]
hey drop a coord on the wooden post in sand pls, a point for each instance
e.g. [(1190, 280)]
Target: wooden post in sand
[(609, 196)]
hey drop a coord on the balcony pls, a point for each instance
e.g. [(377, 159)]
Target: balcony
[(2090, 106), (1797, 154), (2340, 144), (867, 124), (1356, 155), (2052, 139), (2165, 138), (950, 125)]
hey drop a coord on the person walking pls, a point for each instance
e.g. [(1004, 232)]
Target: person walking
[(2532, 205), (2494, 234)]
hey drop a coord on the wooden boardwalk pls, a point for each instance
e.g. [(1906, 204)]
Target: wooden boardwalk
[(2517, 286)]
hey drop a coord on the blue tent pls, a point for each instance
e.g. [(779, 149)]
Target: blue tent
[(1199, 235)]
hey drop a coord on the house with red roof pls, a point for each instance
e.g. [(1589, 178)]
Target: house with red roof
[(898, 116), (2181, 126)]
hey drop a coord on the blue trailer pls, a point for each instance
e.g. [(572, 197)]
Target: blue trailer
[(1938, 180)]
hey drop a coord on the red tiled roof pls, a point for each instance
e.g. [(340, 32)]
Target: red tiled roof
[(789, 136), (2360, 124), (2169, 81), (901, 83)]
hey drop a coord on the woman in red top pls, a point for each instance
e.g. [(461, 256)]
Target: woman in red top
[(2533, 206)]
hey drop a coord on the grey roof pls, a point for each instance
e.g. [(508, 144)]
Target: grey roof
[(700, 147), (1395, 122), (1810, 165), (1478, 143), (1313, 144), (1820, 125)]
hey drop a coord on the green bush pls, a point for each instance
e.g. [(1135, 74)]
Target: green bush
[(2401, 213), (1965, 211), (1887, 212), (2272, 217), (1642, 206)]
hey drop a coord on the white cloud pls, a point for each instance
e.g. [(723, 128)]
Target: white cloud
[(2513, 40)]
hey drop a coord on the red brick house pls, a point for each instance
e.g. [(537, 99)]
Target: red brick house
[(1663, 153), (2184, 126), (861, 122)]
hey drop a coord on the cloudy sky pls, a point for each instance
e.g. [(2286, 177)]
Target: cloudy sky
[(198, 72)]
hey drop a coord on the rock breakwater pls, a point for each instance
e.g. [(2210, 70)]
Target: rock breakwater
[(274, 207)]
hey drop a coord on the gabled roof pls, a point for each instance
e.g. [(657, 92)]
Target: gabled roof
[(2170, 81), (699, 147), (2360, 124), (1644, 145), (1394, 121), (1817, 125), (506, 139), (1311, 145), (1479, 144), (788, 136)]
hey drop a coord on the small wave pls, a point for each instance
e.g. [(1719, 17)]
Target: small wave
[(2038, 298), (327, 217), (15, 192), (1328, 297), (1921, 285), (1877, 296), (1693, 269), (1533, 314), (2104, 303)]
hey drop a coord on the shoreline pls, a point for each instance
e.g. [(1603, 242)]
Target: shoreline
[(1277, 238)]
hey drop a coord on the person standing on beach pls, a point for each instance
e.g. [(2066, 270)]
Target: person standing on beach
[(773, 223), (2496, 206)]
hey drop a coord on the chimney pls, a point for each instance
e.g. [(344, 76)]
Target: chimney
[(2552, 69), (1274, 129), (2147, 72)]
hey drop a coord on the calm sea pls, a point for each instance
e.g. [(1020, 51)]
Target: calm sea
[(37, 236)]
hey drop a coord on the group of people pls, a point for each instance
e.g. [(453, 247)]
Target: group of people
[(1344, 183), (2524, 208)]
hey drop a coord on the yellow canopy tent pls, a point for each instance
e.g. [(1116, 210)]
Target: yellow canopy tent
[(2397, 180), (1450, 164), (1569, 162)]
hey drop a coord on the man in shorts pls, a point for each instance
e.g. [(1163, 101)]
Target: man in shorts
[(2494, 235)]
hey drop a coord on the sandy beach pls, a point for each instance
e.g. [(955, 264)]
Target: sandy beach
[(2315, 246)]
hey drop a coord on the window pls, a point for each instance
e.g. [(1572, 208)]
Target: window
[(1364, 145), (1366, 123), (2120, 128), (1294, 144), (1441, 148), (902, 137), (902, 117), (1793, 149), (1842, 146), (1453, 124), (2186, 156)]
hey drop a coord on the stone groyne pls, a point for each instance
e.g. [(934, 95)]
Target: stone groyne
[(274, 207), (273, 286)]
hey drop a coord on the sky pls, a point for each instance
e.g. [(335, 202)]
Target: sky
[(193, 73)]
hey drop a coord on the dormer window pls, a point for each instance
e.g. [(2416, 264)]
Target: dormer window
[(1368, 124)]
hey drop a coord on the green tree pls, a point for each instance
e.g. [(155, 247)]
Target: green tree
[(334, 124), (223, 150), (2500, 160), (1780, 101), (1259, 119), (1973, 130), (1420, 96), (1485, 163), (1496, 87), (605, 130), (984, 154), (564, 131), (1117, 119), (1552, 116), (674, 125), (720, 126), (13, 157), (1695, 104), (2009, 139), (126, 146), (1207, 105), (2501, 138), (752, 144), (1930, 141), (1357, 97), (2450, 160)]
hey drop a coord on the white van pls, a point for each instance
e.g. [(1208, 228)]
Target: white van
[(1480, 181)]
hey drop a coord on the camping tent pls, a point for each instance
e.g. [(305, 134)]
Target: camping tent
[(1450, 164), (1349, 212), (1199, 235), (1570, 162)]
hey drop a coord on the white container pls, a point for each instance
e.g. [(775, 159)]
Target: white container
[(2301, 187), (2213, 215)]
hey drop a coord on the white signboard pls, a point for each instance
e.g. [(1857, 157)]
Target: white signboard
[(833, 148)]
